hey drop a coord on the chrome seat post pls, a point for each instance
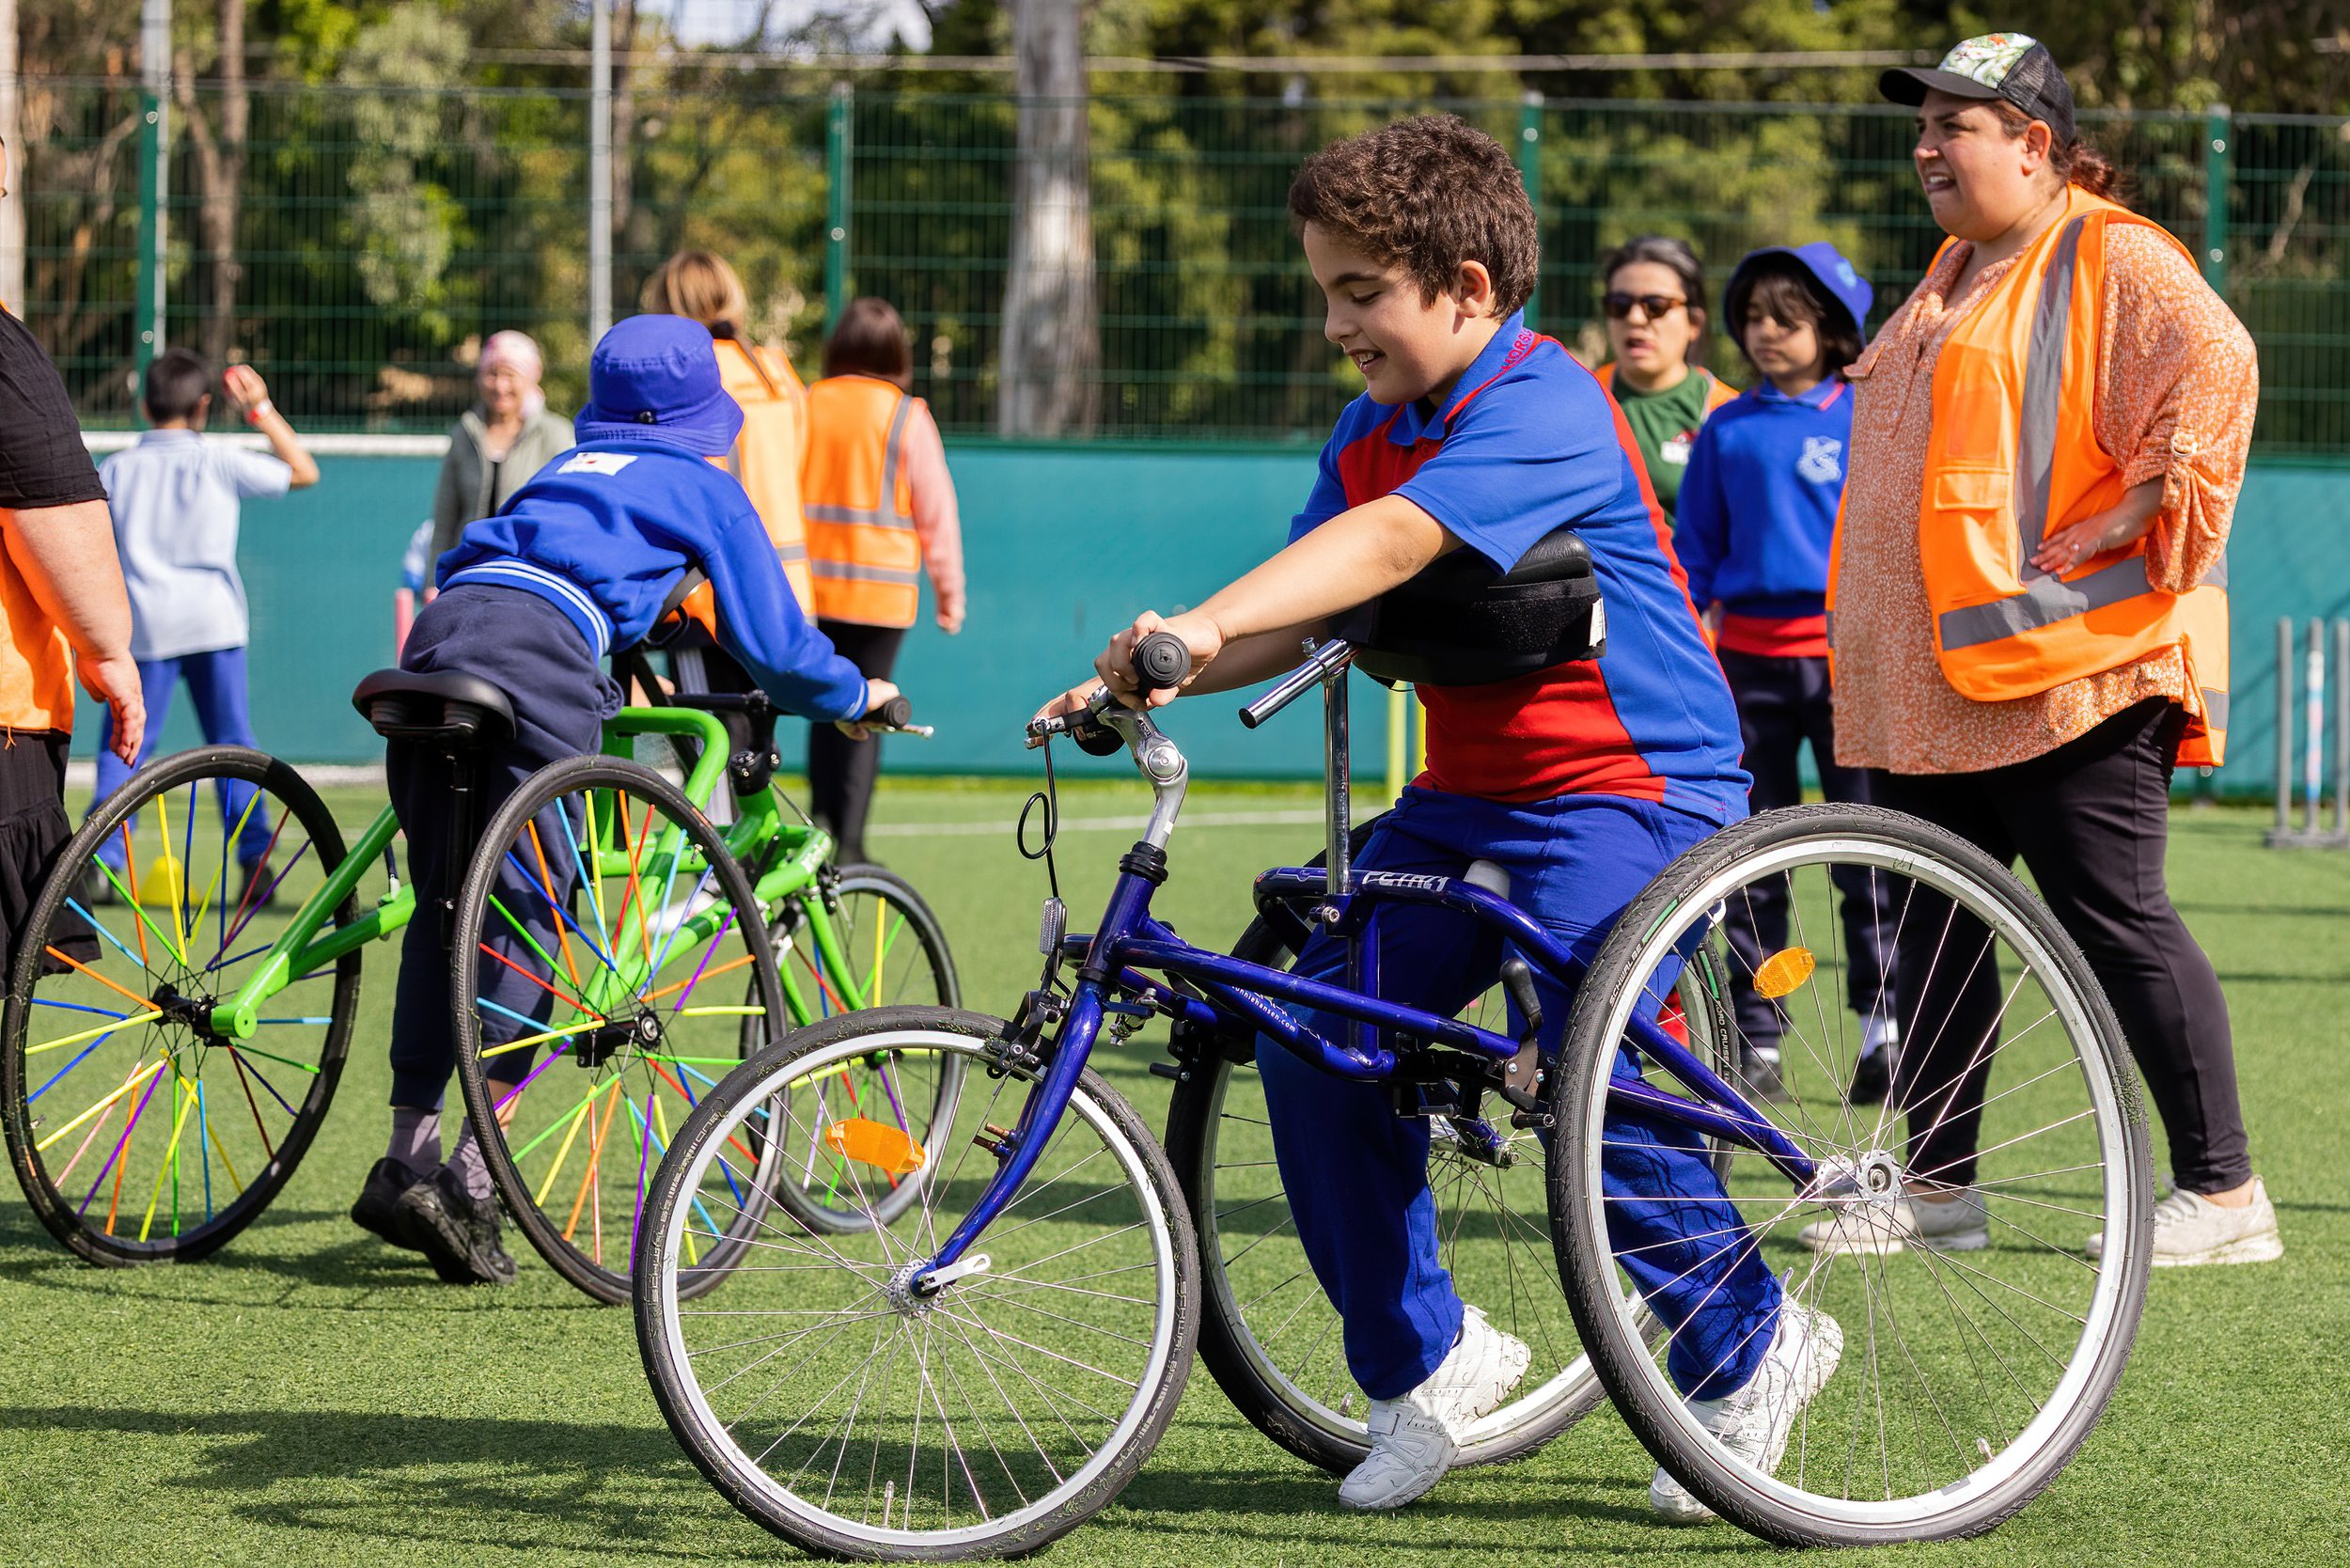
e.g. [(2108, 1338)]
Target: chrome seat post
[(1338, 801)]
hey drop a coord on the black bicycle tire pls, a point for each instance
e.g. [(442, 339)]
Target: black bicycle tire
[(662, 1372), (551, 782), (1588, 1266), (159, 777)]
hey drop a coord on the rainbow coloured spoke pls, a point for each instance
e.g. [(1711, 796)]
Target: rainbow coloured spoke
[(608, 977), (142, 1127)]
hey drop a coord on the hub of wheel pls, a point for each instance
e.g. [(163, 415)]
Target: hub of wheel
[(193, 1013), (598, 1045), (1870, 1182)]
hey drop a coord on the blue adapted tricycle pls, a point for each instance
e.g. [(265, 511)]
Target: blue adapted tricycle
[(980, 1370)]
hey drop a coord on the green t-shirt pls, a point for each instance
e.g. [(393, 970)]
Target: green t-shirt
[(1665, 423)]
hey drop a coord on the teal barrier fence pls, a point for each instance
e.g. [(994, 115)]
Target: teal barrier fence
[(1065, 543)]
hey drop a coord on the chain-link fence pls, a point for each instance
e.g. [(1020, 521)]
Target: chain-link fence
[(374, 235)]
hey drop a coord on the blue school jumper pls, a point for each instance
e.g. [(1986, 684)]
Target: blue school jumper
[(1581, 782), (578, 562), (1757, 513)]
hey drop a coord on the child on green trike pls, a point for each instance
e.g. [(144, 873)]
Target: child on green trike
[(581, 559)]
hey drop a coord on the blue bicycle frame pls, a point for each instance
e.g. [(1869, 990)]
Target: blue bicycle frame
[(1235, 995)]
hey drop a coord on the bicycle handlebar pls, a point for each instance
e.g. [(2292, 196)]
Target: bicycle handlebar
[(1322, 663), (1161, 662)]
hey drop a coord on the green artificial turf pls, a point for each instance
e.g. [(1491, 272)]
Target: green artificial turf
[(311, 1396)]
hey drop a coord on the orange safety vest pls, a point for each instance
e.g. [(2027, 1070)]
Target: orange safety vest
[(2012, 454), (36, 661), (768, 454), (859, 506)]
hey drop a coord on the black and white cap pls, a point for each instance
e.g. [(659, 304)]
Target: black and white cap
[(2014, 67)]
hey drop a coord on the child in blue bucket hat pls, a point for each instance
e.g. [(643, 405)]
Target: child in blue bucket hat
[(1758, 510), (582, 561)]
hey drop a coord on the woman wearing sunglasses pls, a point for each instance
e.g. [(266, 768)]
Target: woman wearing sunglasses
[(1655, 308)]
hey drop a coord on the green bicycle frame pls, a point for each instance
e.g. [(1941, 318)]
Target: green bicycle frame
[(794, 855)]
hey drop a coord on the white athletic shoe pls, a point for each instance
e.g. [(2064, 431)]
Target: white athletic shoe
[(1956, 1225), (1414, 1438), (2191, 1230), (1755, 1421)]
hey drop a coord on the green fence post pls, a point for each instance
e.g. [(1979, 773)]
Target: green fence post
[(837, 151), (2218, 167), (1530, 171)]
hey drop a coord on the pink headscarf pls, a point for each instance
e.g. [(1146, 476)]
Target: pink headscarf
[(515, 352)]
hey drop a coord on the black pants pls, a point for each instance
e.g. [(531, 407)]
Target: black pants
[(531, 652), (2092, 820), (1783, 702), (840, 771), (32, 832)]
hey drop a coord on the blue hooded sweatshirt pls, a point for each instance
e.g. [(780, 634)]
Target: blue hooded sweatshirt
[(604, 531)]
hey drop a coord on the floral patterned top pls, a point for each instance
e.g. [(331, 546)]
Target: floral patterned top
[(2176, 387)]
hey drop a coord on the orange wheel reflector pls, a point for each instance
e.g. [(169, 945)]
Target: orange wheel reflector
[(1784, 970), (884, 1148)]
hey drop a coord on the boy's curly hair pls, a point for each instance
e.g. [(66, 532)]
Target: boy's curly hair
[(1426, 195)]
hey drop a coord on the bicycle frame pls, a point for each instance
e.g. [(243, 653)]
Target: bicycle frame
[(1238, 996), (797, 854)]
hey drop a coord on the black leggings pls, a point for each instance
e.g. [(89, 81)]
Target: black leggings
[(840, 771), (2092, 820)]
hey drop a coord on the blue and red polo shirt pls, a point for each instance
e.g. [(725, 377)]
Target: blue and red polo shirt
[(1531, 442)]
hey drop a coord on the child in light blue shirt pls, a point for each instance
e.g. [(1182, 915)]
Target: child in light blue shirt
[(176, 500)]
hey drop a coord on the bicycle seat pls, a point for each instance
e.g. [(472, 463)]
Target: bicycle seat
[(446, 707), (1458, 622)]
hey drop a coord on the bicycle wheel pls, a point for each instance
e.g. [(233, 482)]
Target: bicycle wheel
[(140, 1132), (1271, 1336), (852, 1417), (1972, 1353), (896, 952), (599, 915)]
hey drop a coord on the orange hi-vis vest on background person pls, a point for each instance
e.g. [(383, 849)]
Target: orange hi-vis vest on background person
[(768, 454), (2012, 456), (853, 491)]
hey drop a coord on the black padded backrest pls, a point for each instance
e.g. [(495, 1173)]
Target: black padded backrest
[(440, 707), (1461, 623)]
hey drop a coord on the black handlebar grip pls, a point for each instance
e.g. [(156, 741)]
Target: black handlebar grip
[(1161, 661), (1093, 737), (896, 713)]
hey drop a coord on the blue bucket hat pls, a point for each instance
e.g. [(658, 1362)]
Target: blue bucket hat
[(655, 378), (1824, 261)]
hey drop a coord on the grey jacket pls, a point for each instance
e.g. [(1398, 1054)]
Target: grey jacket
[(471, 486)]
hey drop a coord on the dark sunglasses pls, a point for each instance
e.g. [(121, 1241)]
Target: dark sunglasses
[(1655, 307)]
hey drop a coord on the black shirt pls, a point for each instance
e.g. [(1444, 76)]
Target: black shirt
[(42, 460)]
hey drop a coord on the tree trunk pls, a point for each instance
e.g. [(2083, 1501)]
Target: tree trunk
[(220, 154), (1050, 360), (11, 205)]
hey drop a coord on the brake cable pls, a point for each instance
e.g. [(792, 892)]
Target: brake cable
[(1048, 797)]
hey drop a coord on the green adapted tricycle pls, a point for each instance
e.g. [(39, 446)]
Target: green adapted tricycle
[(183, 1002)]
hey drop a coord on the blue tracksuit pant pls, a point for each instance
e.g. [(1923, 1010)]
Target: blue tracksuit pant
[(216, 685), (1356, 1174), (527, 648)]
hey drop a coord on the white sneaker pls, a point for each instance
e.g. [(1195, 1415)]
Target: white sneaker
[(1414, 1438), (1955, 1224), (2191, 1230), (1755, 1421)]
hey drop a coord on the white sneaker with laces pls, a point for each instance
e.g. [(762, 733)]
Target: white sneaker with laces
[(1414, 1438), (2191, 1230), (1755, 1422), (1954, 1224)]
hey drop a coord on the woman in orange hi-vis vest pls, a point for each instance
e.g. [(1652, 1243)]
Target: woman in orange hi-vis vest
[(2028, 617), (766, 457), (881, 514)]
